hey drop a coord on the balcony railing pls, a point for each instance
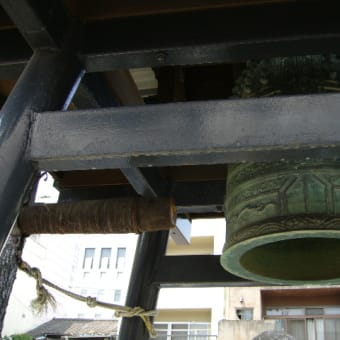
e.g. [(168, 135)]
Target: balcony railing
[(178, 335)]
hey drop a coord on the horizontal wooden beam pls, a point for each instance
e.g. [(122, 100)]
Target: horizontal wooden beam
[(212, 132), (197, 271), (120, 8), (192, 198), (214, 36)]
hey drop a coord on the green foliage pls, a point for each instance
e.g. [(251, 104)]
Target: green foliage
[(18, 337)]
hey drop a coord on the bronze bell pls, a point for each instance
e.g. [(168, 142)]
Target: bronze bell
[(283, 222), (283, 218)]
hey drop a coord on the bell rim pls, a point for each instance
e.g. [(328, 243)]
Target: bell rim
[(231, 256)]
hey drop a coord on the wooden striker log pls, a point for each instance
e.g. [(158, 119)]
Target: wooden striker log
[(122, 215)]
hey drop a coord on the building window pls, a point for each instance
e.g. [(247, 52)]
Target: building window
[(244, 313), (88, 258), (117, 295), (200, 330), (183, 331), (120, 260), (100, 293), (162, 331), (179, 331), (307, 322), (83, 292), (105, 256)]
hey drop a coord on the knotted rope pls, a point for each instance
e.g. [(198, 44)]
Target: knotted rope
[(44, 298)]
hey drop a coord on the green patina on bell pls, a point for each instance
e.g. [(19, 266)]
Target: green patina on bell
[(283, 218)]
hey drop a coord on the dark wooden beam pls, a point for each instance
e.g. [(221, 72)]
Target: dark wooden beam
[(94, 93), (120, 8), (144, 185), (205, 197), (47, 72), (215, 36), (42, 23), (211, 132), (190, 198), (123, 87), (112, 89), (15, 56), (197, 271)]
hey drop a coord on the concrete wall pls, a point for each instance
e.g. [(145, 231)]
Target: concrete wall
[(243, 330), (242, 297)]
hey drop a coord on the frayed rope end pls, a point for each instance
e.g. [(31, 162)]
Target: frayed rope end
[(44, 298)]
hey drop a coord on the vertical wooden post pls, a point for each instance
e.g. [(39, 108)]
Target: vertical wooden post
[(143, 291), (45, 84)]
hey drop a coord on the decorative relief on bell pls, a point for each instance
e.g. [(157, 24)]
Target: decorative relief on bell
[(283, 218)]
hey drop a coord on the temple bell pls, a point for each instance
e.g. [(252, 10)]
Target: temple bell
[(283, 218)]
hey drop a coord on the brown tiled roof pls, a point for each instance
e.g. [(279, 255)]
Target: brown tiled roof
[(76, 327)]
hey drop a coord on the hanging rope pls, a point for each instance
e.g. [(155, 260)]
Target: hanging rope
[(45, 298)]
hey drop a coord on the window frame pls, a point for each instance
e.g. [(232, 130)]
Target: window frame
[(91, 257)]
